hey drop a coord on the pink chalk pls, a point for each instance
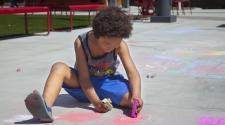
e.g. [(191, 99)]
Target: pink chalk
[(134, 108)]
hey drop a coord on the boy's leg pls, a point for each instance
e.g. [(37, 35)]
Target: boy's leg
[(60, 73), (40, 107), (126, 100)]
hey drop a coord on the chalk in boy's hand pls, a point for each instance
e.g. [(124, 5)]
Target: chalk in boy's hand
[(134, 110), (108, 103)]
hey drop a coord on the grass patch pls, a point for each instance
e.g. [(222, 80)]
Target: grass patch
[(14, 24)]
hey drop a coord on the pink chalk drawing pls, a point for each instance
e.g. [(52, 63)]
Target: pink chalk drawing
[(211, 121), (79, 117), (210, 70), (125, 120)]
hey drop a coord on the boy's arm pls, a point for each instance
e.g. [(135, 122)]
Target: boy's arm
[(83, 76), (132, 73)]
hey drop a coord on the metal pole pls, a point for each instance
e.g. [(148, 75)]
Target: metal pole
[(163, 12)]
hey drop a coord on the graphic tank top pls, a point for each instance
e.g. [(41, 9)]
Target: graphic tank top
[(105, 65)]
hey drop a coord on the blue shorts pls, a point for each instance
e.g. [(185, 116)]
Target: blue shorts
[(113, 87)]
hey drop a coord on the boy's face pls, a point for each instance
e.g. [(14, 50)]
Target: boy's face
[(107, 44)]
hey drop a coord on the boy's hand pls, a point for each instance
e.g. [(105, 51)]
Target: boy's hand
[(140, 103), (101, 107)]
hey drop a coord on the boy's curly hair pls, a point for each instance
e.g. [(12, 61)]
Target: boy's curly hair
[(112, 22)]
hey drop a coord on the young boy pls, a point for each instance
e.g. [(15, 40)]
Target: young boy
[(94, 76)]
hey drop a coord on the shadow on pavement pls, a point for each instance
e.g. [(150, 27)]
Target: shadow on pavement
[(29, 121), (67, 101), (126, 111), (15, 36), (221, 26)]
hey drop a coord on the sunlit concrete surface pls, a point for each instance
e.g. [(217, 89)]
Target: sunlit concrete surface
[(182, 66)]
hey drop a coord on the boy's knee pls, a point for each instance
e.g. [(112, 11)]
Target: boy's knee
[(59, 66)]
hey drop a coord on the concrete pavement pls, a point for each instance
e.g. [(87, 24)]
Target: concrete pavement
[(182, 66)]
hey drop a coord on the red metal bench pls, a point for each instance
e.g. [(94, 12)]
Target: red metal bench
[(68, 5), (88, 7), (26, 10)]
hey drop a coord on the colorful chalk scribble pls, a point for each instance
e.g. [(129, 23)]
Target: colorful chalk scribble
[(210, 70), (193, 62), (125, 120), (79, 117), (211, 121), (90, 116), (216, 53)]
